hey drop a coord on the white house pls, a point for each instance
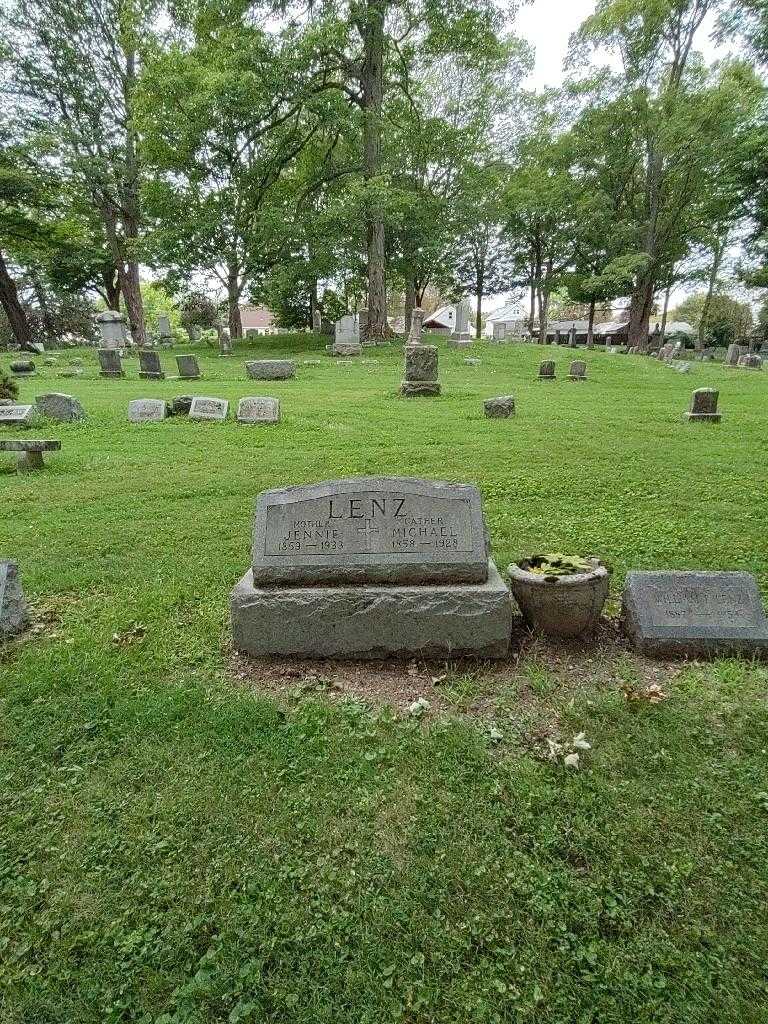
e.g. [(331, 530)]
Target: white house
[(512, 318), (442, 321)]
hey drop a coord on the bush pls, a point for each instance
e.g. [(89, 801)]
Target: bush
[(8, 387)]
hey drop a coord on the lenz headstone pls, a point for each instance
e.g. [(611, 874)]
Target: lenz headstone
[(253, 409), (215, 409), (500, 408), (110, 362), (188, 367), (16, 415), (370, 568), (420, 372), (271, 369), (704, 406), (147, 410), (63, 408), (695, 614), (13, 606), (149, 365)]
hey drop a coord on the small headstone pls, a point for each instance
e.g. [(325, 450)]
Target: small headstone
[(258, 410), (750, 361), (683, 368), (110, 362), (30, 452), (164, 327), (22, 367), (695, 614), (317, 322), (572, 338), (225, 342), (577, 370), (417, 321), (215, 409), (181, 404), (461, 337), (499, 332), (547, 370), (500, 408), (271, 369), (16, 415), (188, 367), (113, 329), (147, 410), (420, 372), (704, 406), (13, 606), (346, 341), (732, 355), (72, 371), (470, 361), (63, 408), (149, 365)]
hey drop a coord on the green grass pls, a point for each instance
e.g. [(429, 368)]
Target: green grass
[(175, 847)]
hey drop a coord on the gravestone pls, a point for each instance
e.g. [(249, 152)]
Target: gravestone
[(732, 355), (558, 339), (346, 340), (572, 338), (499, 332), (683, 368), (750, 362), (63, 408), (461, 337), (110, 362), (694, 614), (270, 369), (317, 322), (22, 368), (180, 405), (214, 409), (113, 329), (500, 408), (149, 365), (417, 322), (16, 415), (30, 452), (164, 331), (13, 606), (188, 367), (362, 326), (370, 568), (258, 410), (147, 410), (547, 370), (704, 406), (577, 370), (225, 342), (420, 372)]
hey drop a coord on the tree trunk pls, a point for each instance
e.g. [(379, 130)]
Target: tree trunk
[(372, 83), (543, 316), (479, 287), (49, 325), (410, 300), (313, 304), (665, 310), (532, 308), (125, 258), (717, 255), (591, 324), (640, 308), (17, 318), (234, 290), (111, 281)]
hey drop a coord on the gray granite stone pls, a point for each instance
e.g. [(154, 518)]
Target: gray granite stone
[(419, 388), (750, 361), (30, 452), (695, 614), (346, 348), (577, 370), (421, 363), (500, 408), (370, 529), (253, 409), (16, 415), (704, 406), (373, 621), (150, 367), (180, 405), (110, 362), (188, 367), (214, 409), (113, 329), (147, 410), (63, 408), (13, 606), (547, 370), (271, 369), (733, 354)]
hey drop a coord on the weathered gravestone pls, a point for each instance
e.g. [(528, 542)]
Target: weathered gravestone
[(149, 365), (499, 332), (13, 606), (147, 410), (254, 409), (30, 453), (547, 370), (16, 415), (417, 322), (215, 409), (577, 370), (317, 322), (681, 367), (370, 568), (110, 362), (113, 329), (63, 408), (271, 369), (164, 332), (694, 614), (704, 406), (500, 408), (732, 355), (181, 404), (750, 361), (346, 341), (461, 337), (22, 368), (188, 367), (420, 372)]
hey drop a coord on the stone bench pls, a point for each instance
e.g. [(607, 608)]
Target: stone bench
[(30, 453)]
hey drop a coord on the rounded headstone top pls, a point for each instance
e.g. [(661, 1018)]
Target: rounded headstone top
[(109, 316)]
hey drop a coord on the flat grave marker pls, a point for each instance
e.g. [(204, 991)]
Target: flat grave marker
[(253, 410), (209, 409)]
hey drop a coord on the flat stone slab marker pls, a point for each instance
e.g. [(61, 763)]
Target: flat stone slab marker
[(30, 453)]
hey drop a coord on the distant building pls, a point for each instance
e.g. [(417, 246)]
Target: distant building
[(442, 321), (507, 321), (257, 320)]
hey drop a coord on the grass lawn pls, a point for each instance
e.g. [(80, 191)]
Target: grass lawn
[(179, 844)]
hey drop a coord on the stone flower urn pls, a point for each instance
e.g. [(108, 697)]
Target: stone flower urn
[(560, 600)]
